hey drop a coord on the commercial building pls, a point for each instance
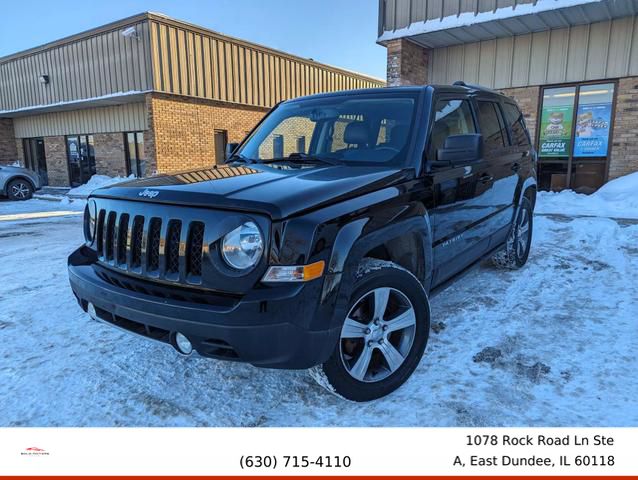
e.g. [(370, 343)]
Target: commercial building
[(571, 64), (144, 94)]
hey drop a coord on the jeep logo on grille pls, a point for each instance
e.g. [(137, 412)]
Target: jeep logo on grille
[(149, 193)]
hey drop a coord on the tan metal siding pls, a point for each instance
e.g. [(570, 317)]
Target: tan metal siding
[(99, 65), (206, 65), (396, 14), (118, 118), (588, 52)]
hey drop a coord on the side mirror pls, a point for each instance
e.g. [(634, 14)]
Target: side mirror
[(460, 149), (230, 148)]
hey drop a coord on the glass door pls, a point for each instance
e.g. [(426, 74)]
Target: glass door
[(591, 141), (573, 139), (555, 137), (35, 158), (81, 158)]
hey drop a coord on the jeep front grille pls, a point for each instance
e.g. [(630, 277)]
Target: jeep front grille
[(150, 246)]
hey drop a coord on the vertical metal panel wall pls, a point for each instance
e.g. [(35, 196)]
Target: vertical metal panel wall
[(102, 64), (396, 14), (588, 52), (117, 118), (199, 63)]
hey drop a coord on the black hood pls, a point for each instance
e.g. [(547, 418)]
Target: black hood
[(271, 189)]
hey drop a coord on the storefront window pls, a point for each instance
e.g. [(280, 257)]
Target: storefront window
[(573, 140), (135, 159)]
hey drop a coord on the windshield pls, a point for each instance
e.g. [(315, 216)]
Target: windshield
[(365, 129)]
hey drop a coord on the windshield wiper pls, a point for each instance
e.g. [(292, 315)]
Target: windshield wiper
[(301, 158), (240, 158)]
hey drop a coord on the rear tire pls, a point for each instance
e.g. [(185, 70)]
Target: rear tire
[(19, 189), (519, 240), (383, 336)]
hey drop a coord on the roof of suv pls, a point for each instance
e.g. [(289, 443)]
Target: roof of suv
[(458, 87)]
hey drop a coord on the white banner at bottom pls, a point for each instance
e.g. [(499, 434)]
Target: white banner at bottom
[(318, 451)]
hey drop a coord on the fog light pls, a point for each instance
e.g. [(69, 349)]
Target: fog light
[(183, 344), (90, 309)]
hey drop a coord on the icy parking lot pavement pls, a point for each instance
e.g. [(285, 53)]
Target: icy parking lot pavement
[(553, 344)]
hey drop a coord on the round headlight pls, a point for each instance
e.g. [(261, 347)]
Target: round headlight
[(89, 221), (242, 248)]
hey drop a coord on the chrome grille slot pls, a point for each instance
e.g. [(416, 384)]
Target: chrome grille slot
[(122, 239), (194, 249), (137, 236), (109, 239), (153, 245), (100, 232), (172, 246)]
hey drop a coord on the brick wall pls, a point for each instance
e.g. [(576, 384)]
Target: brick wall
[(527, 99), (8, 151), (110, 157), (624, 148), (57, 168), (149, 139), (184, 129), (407, 63)]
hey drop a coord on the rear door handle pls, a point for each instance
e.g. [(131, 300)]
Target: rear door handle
[(486, 178)]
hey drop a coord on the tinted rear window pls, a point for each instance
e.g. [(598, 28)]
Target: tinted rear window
[(492, 129), (514, 119)]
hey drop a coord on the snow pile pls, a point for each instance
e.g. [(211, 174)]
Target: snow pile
[(95, 182), (616, 199)]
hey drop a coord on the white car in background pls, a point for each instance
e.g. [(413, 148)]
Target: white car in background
[(18, 183)]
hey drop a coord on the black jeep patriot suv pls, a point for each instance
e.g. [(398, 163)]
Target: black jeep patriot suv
[(317, 243)]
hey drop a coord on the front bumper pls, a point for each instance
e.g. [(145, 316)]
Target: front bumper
[(267, 328)]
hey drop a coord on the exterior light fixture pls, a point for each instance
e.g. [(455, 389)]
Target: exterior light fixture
[(44, 79), (130, 32)]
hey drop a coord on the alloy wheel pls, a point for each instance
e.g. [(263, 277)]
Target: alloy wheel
[(522, 232), (20, 190), (377, 335)]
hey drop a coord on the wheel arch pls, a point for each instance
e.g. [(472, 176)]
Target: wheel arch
[(13, 179), (396, 242)]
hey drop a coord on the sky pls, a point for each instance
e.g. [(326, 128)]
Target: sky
[(337, 32)]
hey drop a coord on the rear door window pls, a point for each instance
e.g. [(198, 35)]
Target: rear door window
[(514, 119), (492, 126), (451, 117)]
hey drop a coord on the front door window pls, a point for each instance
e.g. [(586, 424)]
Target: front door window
[(81, 158)]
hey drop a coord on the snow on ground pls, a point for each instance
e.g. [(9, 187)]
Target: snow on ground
[(618, 198), (553, 344)]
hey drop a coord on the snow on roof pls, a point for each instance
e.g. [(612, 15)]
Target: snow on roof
[(74, 102), (466, 19)]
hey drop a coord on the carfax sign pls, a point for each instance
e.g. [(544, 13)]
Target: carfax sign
[(556, 130), (592, 130)]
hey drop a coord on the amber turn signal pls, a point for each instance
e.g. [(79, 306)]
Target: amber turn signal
[(299, 273)]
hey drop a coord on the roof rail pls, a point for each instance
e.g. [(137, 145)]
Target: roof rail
[(461, 83)]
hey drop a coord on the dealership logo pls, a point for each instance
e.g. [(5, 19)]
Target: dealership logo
[(149, 193), (34, 451)]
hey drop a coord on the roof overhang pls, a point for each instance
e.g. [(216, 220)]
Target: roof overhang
[(521, 19), (104, 101)]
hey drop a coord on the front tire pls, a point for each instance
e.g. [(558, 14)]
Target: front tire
[(19, 189), (383, 336), (519, 240)]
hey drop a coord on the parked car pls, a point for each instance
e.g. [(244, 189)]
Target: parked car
[(319, 242), (18, 183)]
